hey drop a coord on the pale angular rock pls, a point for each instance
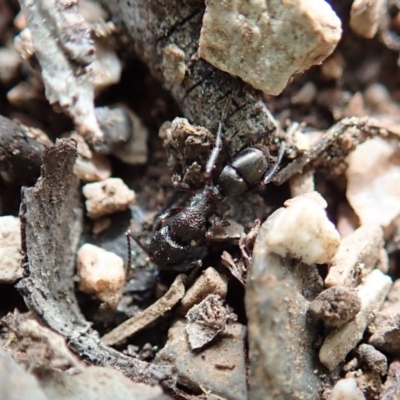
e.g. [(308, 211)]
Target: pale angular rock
[(358, 254), (338, 343), (375, 360), (10, 249), (174, 67), (346, 389), (373, 169), (303, 230), (16, 383), (101, 273), (266, 43), (107, 197), (107, 67), (89, 166), (365, 16)]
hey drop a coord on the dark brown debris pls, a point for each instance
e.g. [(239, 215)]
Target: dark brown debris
[(335, 306), (21, 152)]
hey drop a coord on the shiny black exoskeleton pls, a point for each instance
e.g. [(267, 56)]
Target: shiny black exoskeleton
[(176, 229)]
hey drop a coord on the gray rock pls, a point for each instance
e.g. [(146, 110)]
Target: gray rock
[(220, 369), (282, 358)]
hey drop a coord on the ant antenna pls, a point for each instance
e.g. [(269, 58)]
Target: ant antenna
[(274, 168), (130, 235), (218, 143), (129, 258)]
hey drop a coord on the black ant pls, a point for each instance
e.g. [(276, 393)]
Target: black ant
[(176, 229)]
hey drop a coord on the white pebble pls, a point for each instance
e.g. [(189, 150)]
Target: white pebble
[(303, 230), (107, 197), (101, 274), (10, 249), (346, 389)]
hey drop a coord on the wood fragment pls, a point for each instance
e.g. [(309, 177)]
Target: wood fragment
[(149, 315), (328, 155), (49, 264)]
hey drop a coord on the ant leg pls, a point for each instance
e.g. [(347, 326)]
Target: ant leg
[(130, 235), (270, 174)]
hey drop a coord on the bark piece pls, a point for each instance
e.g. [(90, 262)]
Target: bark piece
[(51, 215), (265, 44), (149, 315), (156, 25), (21, 152), (65, 51), (328, 155)]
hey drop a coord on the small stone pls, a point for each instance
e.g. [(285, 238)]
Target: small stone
[(267, 43), (303, 230), (220, 370), (135, 151), (346, 389), (340, 342), (358, 254), (89, 166), (306, 95), (101, 274), (365, 17), (10, 249), (210, 281), (107, 197), (106, 66), (333, 66), (173, 64), (374, 359), (336, 306), (373, 167), (385, 328)]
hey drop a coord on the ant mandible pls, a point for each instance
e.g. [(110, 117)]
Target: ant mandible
[(177, 228)]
